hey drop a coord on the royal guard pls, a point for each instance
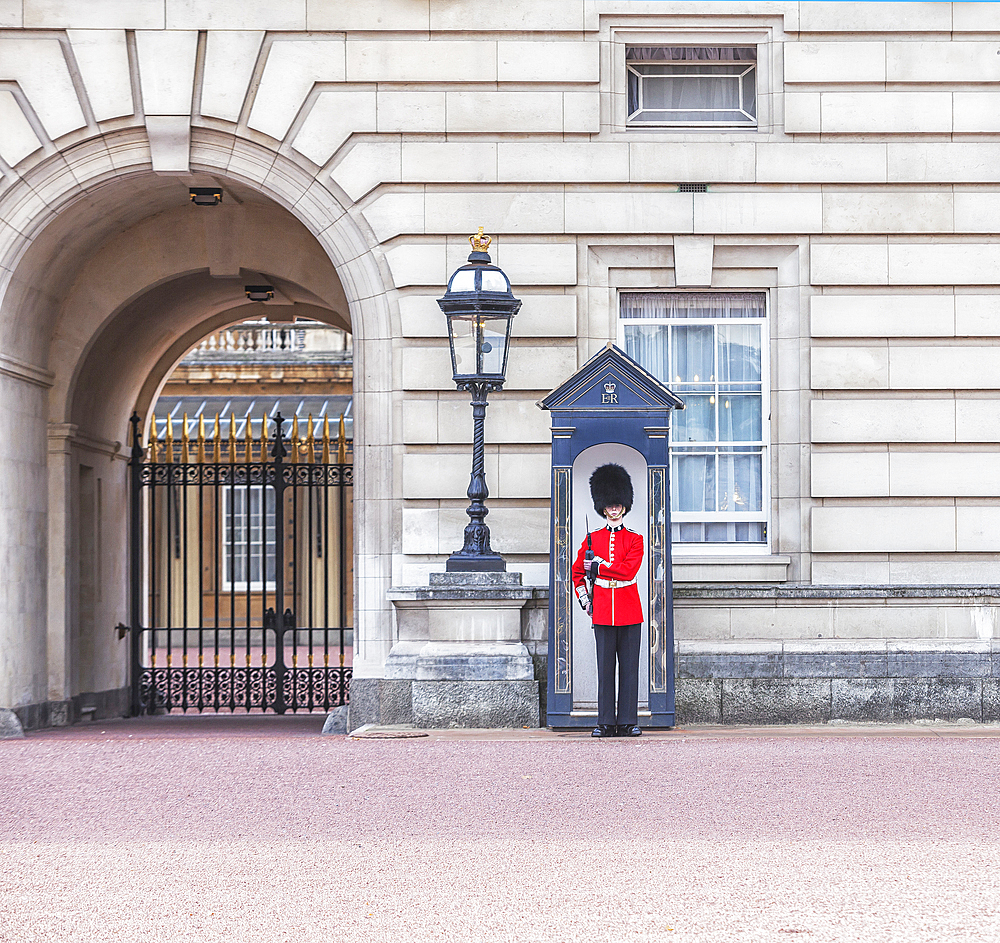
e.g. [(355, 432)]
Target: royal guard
[(604, 576)]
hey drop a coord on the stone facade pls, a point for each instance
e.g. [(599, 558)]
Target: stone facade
[(358, 143)]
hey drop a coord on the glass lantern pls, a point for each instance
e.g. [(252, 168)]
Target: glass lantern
[(480, 309)]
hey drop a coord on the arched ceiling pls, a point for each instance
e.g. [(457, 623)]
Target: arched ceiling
[(123, 282), (61, 252)]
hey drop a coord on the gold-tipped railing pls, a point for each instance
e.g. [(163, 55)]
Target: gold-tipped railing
[(308, 449)]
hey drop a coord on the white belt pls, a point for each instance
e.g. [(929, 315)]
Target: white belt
[(614, 584)]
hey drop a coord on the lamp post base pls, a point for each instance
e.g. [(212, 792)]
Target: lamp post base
[(462, 562), (459, 660)]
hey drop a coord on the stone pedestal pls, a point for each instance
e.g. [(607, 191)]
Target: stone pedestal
[(459, 660)]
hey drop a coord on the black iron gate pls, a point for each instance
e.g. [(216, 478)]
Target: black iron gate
[(241, 569)]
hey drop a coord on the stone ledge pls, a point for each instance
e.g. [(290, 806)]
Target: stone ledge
[(457, 661), (474, 587), (864, 594), (445, 594), (839, 664), (729, 570)]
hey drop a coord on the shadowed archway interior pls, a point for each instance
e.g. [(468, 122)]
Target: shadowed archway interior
[(140, 275)]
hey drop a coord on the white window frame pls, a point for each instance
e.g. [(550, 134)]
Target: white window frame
[(615, 77), (635, 67), (765, 514), (245, 529)]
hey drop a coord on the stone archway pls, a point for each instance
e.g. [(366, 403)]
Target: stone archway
[(103, 290)]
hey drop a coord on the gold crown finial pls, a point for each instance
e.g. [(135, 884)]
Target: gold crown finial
[(479, 242)]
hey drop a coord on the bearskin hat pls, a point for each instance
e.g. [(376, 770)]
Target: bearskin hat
[(610, 484)]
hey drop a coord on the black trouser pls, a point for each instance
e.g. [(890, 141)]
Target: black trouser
[(619, 642)]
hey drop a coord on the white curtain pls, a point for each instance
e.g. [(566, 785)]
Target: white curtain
[(694, 84), (692, 304), (717, 447)]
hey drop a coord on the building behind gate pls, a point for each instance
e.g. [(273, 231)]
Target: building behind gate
[(785, 211)]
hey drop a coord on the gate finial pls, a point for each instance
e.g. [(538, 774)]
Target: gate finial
[(248, 439), (168, 440), (153, 440), (134, 420), (201, 438), (279, 451), (295, 438)]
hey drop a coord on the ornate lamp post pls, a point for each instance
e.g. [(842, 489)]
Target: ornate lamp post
[(479, 307)]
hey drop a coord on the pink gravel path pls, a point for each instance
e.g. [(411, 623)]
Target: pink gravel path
[(249, 830)]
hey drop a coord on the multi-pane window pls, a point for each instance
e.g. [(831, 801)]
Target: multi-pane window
[(707, 347), (248, 537), (692, 86)]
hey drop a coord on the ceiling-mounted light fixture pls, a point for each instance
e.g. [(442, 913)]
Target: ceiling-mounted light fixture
[(259, 292), (205, 196)]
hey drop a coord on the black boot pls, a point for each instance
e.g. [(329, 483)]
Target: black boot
[(628, 730), (603, 730)]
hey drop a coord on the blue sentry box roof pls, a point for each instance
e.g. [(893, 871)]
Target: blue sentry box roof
[(611, 372)]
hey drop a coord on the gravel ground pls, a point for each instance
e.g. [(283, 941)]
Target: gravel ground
[(249, 830)]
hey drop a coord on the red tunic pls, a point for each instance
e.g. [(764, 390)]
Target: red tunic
[(622, 552)]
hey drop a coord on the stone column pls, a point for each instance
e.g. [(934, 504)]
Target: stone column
[(23, 540), (61, 587)]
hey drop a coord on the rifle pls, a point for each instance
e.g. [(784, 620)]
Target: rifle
[(587, 558)]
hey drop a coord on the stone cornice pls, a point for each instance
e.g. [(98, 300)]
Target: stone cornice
[(29, 373), (831, 594), (64, 435)]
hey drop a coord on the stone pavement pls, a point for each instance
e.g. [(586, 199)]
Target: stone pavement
[(257, 828)]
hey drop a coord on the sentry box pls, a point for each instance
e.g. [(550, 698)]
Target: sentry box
[(611, 410)]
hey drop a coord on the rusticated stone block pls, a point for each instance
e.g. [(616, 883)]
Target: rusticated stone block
[(489, 704), (698, 701), (396, 702), (541, 665), (60, 713), (726, 665), (835, 664), (991, 701), (33, 716), (775, 701), (937, 699), (939, 664), (364, 707), (861, 699)]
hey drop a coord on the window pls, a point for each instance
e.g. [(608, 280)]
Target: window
[(248, 537), (692, 86), (707, 346)]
